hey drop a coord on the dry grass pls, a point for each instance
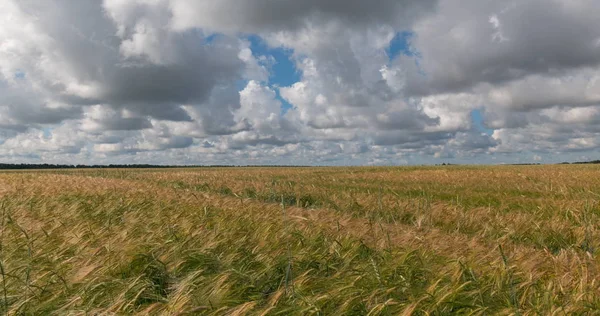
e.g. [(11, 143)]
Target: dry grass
[(267, 241)]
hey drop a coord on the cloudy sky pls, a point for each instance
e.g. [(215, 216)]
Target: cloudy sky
[(319, 82)]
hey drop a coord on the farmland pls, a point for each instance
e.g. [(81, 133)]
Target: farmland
[(322, 241)]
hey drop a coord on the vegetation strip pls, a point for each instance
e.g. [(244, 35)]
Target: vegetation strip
[(131, 242)]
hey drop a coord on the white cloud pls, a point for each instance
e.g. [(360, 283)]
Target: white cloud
[(176, 81)]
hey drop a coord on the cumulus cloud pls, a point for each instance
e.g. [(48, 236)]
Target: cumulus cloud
[(85, 54), (467, 43), (179, 81)]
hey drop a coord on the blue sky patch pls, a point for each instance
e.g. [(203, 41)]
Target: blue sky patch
[(47, 131), (477, 119), (400, 45), (283, 72), (20, 74)]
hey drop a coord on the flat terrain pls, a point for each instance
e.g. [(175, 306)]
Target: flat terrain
[(323, 241)]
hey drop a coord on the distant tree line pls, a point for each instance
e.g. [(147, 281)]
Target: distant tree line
[(22, 166), (581, 162), (59, 166), (8, 166)]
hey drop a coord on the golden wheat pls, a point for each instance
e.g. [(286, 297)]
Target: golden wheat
[(262, 241)]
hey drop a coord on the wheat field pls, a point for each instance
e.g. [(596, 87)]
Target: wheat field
[(508, 240)]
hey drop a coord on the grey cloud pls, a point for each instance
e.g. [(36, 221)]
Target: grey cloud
[(126, 124), (189, 79), (259, 16), (472, 141), (85, 63), (467, 43), (175, 142), (411, 140), (25, 115), (553, 130), (575, 88), (254, 140), (505, 119), (21, 107), (109, 139), (42, 114), (104, 119), (407, 119)]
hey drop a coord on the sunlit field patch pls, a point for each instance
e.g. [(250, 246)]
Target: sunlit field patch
[(322, 241)]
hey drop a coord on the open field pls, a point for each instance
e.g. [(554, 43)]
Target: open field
[(323, 241)]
